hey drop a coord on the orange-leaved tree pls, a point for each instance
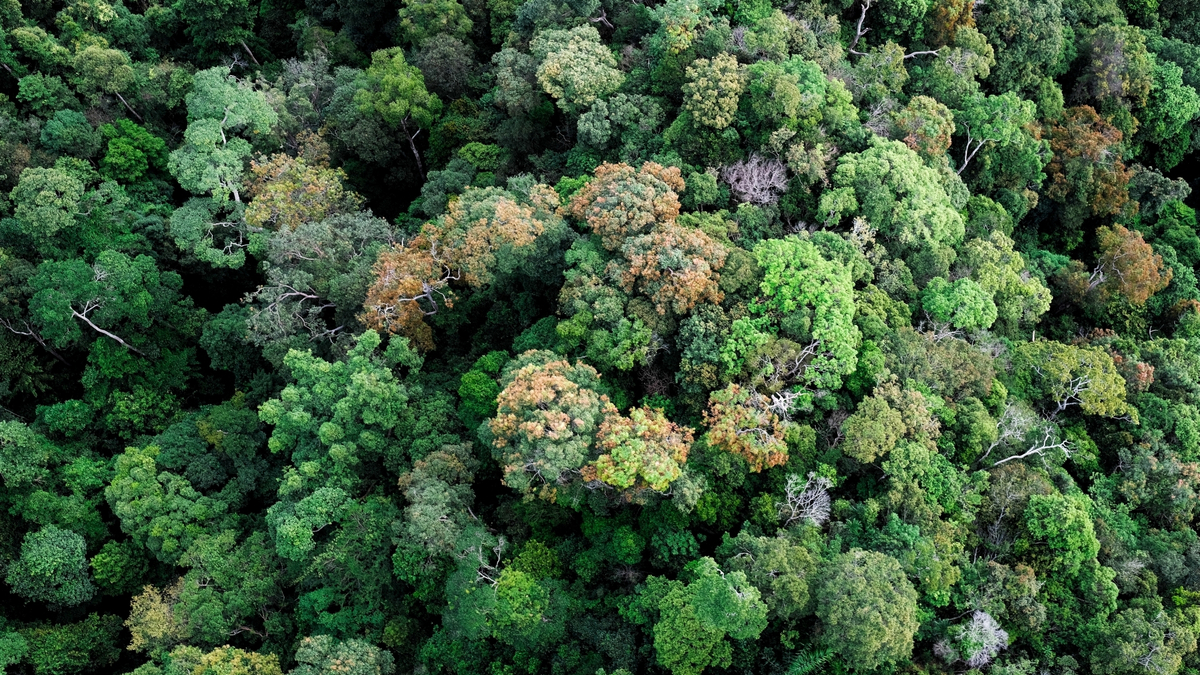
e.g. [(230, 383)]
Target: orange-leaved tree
[(633, 211), (486, 231), (621, 202), (1086, 172), (740, 421), (1126, 266)]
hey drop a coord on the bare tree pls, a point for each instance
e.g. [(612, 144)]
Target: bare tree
[(975, 643), (756, 180), (805, 502)]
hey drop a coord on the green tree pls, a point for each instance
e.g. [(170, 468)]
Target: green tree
[(1029, 41), (116, 298), (160, 510), (1060, 534), (47, 203), (423, 19), (395, 91), (868, 608), (217, 24), (907, 201), (989, 121), (1138, 639), (52, 568)]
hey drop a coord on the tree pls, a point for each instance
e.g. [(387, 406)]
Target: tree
[(287, 191), (1086, 172), (132, 151), (161, 511), (1020, 298), (210, 161), (1126, 266), (693, 619), (52, 568), (69, 132), (575, 69), (213, 24), (925, 126), (987, 120), (1059, 534), (421, 20), (23, 456), (621, 202), (1117, 68), (975, 642), (964, 303), (317, 283), (1028, 38), (642, 451), (103, 71), (395, 91), (47, 203), (210, 165), (487, 232), (907, 201), (802, 283), (548, 414), (781, 570), (152, 623), (1171, 108), (712, 90), (340, 416), (742, 422), (868, 608), (116, 298), (676, 267), (439, 499), (1067, 375), (220, 661), (1140, 639), (322, 653)]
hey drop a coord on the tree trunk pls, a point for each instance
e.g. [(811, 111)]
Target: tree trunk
[(128, 107), (413, 146), (251, 54)]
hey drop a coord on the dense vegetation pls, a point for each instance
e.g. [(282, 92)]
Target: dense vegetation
[(585, 337)]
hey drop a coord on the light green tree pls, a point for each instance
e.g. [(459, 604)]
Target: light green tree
[(322, 654), (906, 200), (395, 90), (712, 91), (963, 303), (423, 19), (222, 113), (1020, 298), (1064, 376), (576, 69), (800, 282)]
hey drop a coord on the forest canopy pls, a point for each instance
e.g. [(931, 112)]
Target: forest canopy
[(595, 337)]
